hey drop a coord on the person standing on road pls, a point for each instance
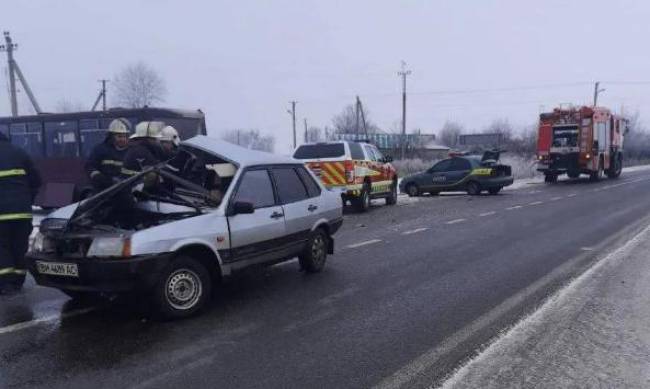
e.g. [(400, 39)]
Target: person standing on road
[(104, 165), (19, 183)]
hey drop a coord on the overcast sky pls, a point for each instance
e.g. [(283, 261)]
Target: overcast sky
[(243, 61)]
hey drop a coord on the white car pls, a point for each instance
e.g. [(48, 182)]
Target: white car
[(213, 210)]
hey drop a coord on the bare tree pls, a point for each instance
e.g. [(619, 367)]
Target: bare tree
[(250, 139), (500, 126), (139, 85), (65, 105), (346, 122), (449, 133)]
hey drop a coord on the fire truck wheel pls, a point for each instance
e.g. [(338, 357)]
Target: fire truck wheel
[(598, 174), (312, 260), (412, 190), (392, 197), (473, 188), (616, 170), (573, 174), (362, 203), (550, 178)]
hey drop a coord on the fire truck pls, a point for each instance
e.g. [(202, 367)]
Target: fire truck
[(584, 140)]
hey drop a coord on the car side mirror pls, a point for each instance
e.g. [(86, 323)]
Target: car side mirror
[(242, 207)]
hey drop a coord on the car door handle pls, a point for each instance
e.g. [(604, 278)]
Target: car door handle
[(312, 208), (277, 215)]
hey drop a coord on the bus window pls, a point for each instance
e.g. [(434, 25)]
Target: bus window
[(4, 130), (61, 139), (91, 135), (187, 128), (28, 136)]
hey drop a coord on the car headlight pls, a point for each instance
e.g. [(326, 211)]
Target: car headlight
[(110, 247), (42, 244)]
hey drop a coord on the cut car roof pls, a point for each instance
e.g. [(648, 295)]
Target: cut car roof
[(238, 155)]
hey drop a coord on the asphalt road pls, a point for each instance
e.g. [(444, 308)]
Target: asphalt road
[(412, 292)]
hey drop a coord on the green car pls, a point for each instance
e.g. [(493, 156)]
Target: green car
[(473, 174)]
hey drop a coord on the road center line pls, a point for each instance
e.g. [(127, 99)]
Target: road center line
[(365, 243), (487, 214), (415, 231), (514, 207), (33, 323), (455, 221), (536, 203), (556, 198), (572, 195)]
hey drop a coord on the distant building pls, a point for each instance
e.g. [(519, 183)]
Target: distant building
[(482, 141), (417, 145)]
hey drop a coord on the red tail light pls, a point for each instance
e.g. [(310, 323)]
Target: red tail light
[(349, 171)]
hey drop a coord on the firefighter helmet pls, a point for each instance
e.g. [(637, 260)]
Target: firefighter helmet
[(169, 134), (148, 130), (119, 126)]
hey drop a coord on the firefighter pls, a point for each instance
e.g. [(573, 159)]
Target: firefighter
[(144, 148), (104, 165), (170, 141), (19, 183)]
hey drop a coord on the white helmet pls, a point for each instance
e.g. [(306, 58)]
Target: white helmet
[(119, 126), (170, 134), (148, 130)]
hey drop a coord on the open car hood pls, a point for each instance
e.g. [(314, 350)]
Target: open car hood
[(490, 156), (91, 204)]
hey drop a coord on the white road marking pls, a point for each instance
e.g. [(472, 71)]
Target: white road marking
[(365, 243), (33, 323), (572, 195), (415, 231), (587, 248), (556, 198), (514, 207), (455, 221), (487, 214), (536, 203)]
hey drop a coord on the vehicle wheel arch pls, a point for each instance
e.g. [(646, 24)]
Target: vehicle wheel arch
[(205, 255), (323, 225)]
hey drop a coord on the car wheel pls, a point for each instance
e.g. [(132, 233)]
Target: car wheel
[(412, 190), (362, 203), (550, 178), (473, 188), (573, 174), (313, 258), (182, 289), (494, 191), (392, 197)]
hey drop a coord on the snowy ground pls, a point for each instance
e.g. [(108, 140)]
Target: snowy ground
[(593, 334)]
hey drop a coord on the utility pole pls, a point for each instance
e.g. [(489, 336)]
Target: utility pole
[(102, 96), (14, 70), (596, 92), (292, 112), (403, 73), (306, 132)]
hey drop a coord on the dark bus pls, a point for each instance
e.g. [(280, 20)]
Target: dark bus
[(60, 143)]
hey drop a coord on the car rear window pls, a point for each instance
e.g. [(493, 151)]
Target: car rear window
[(325, 150)]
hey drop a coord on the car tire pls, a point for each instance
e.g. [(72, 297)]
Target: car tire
[(494, 191), (573, 174), (412, 190), (392, 197), (312, 259), (473, 188), (550, 178), (362, 203), (183, 289)]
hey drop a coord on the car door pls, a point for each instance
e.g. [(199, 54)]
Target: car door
[(437, 176), (256, 237), (459, 169), (299, 208)]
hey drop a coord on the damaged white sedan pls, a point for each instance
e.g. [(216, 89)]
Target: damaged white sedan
[(213, 210)]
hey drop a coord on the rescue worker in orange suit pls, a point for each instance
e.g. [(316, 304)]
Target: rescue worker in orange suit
[(19, 183), (104, 166)]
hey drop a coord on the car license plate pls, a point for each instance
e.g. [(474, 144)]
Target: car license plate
[(57, 269)]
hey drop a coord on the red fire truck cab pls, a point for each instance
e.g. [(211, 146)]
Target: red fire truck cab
[(585, 140)]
